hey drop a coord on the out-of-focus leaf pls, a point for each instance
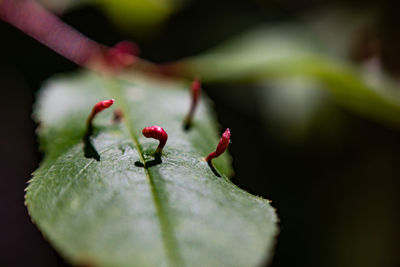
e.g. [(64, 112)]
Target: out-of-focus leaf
[(280, 52), (289, 105), (114, 213), (141, 16), (339, 28)]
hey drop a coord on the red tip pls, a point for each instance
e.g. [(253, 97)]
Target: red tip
[(196, 86), (158, 133), (195, 91), (96, 109), (222, 145), (102, 105)]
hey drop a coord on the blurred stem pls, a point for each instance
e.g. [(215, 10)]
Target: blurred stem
[(35, 21), (48, 29)]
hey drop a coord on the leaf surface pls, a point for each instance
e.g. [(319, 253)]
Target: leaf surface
[(113, 213)]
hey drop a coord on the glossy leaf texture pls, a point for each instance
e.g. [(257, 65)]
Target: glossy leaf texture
[(113, 213)]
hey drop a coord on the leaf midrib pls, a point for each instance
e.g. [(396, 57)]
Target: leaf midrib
[(167, 233)]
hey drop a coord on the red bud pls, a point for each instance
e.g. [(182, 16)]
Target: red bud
[(221, 147), (195, 92), (158, 133), (102, 105), (196, 87), (96, 109)]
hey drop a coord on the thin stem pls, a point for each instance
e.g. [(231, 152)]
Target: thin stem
[(35, 21)]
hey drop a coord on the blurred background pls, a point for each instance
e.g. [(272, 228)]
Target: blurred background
[(319, 137)]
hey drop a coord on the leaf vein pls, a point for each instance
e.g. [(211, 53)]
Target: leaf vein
[(167, 233)]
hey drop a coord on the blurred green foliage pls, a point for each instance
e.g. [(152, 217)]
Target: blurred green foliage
[(138, 16)]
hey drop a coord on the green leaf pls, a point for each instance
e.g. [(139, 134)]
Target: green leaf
[(286, 52), (113, 213), (137, 15)]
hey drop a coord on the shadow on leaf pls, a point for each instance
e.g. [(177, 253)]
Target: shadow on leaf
[(150, 163), (89, 150), (213, 169)]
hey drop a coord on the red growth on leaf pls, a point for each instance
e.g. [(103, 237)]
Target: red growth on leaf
[(195, 92), (222, 145), (196, 87), (158, 133), (89, 150), (100, 106)]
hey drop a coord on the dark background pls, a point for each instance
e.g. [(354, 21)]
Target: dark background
[(336, 191)]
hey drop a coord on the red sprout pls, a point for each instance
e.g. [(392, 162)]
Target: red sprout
[(100, 106), (195, 91), (158, 133), (88, 148), (221, 147)]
